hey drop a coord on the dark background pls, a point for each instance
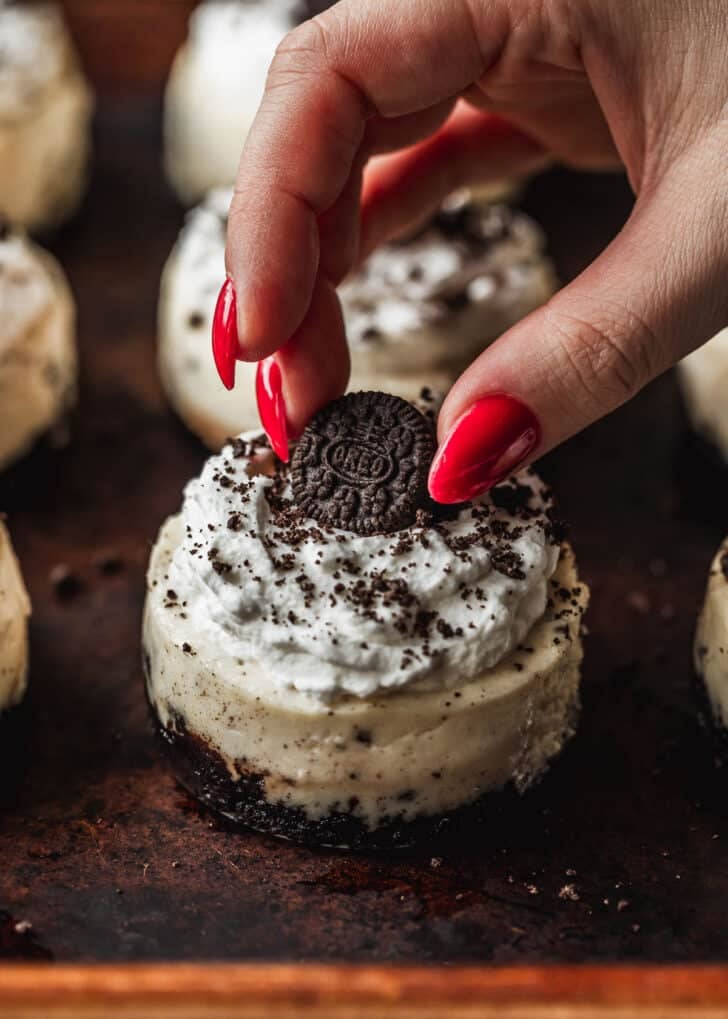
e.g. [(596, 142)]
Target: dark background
[(108, 860)]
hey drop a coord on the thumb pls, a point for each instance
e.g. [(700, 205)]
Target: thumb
[(657, 292)]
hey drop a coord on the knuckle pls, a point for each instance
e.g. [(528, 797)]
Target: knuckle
[(299, 54), (606, 359), (315, 44), (305, 42), (318, 49), (307, 87)]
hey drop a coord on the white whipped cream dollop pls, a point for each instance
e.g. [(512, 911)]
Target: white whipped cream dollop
[(330, 613), (468, 255)]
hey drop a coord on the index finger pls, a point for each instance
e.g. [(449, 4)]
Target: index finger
[(329, 76)]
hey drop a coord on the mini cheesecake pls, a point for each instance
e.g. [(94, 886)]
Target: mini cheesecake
[(704, 381), (416, 314), (14, 612), (326, 681), (38, 364), (45, 112), (215, 87), (711, 642)]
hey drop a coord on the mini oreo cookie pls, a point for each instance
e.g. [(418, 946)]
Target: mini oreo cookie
[(362, 464)]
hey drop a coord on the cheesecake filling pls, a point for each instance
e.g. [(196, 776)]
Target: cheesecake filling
[(331, 613), (401, 755), (704, 377), (37, 343), (26, 289), (215, 87), (711, 639), (14, 612)]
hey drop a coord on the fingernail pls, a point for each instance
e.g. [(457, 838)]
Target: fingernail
[(225, 345), (271, 406), (486, 444)]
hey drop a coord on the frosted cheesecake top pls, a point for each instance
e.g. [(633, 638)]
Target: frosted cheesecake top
[(332, 612)]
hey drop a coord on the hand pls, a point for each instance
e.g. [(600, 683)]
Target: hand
[(449, 92)]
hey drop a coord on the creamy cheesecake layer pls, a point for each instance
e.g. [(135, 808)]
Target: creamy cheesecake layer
[(45, 110), (416, 314), (38, 363), (191, 281), (406, 754), (704, 381), (711, 639), (14, 612)]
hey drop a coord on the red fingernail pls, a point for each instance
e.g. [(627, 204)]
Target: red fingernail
[(271, 406), (225, 345), (484, 446)]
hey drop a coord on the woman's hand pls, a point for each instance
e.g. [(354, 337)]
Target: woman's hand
[(449, 92)]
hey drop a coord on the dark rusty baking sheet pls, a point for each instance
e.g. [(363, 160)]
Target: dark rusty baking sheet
[(620, 854)]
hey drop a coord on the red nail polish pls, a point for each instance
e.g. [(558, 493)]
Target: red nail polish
[(484, 446), (225, 345), (271, 406)]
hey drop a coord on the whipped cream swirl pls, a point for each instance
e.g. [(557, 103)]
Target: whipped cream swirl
[(466, 255), (332, 613)]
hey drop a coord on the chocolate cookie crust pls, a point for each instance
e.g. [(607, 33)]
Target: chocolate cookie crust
[(362, 464), (200, 770)]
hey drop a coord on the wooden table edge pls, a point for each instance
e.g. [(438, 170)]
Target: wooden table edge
[(280, 991)]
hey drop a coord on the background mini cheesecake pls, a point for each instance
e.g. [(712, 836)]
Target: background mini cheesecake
[(14, 612), (38, 363), (704, 382), (331, 660), (416, 313), (45, 112), (215, 87), (711, 643)]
